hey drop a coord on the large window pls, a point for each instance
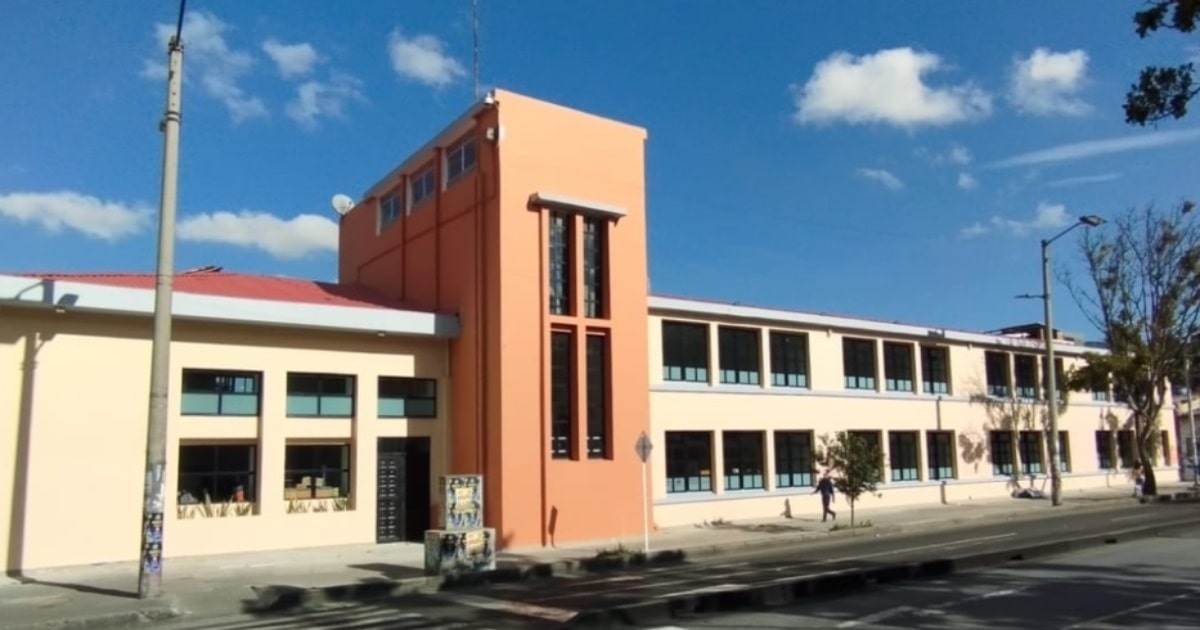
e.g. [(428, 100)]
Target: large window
[(1106, 451), (904, 453), (1060, 379), (858, 363), (220, 393), (685, 352), (1032, 460), (874, 440), (217, 473), (939, 450), (1001, 449), (460, 159), (794, 459), (739, 355), (316, 471), (1125, 450), (935, 370), (422, 186), (689, 461), (594, 240), (789, 359), (898, 366), (562, 403), (743, 452), (996, 366), (390, 208), (1064, 452), (1025, 368), (560, 263), (597, 396), (401, 397), (313, 395)]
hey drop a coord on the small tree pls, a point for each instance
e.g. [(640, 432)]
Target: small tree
[(856, 466)]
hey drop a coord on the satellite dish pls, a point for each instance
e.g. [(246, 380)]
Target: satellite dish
[(342, 204)]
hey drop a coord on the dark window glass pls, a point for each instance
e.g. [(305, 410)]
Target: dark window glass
[(460, 159), (217, 473), (794, 464), (311, 395), (1025, 367), (562, 358), (685, 352), (220, 393), (560, 264), (1001, 447), (739, 355), (317, 471), (898, 366), (689, 461), (401, 397), (996, 364), (858, 363), (1032, 461), (939, 447), (597, 396), (903, 451), (743, 452), (1105, 450), (935, 370), (789, 359), (594, 240)]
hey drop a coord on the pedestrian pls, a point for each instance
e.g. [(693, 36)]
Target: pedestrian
[(1138, 479), (825, 487)]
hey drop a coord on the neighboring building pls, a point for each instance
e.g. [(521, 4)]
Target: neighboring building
[(491, 316)]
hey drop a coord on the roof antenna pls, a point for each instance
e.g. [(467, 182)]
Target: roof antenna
[(475, 37)]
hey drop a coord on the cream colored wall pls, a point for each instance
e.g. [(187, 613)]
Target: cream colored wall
[(87, 402), (827, 407)]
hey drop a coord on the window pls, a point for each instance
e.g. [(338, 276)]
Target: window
[(873, 439), (407, 397), (1125, 450), (793, 459), (562, 403), (685, 352), (904, 455), (316, 471), (789, 359), (743, 460), (1105, 450), (689, 461), (218, 473), (898, 366), (996, 364), (389, 210), (320, 395), (1032, 460), (1101, 395), (1001, 449), (597, 396), (939, 449), (560, 263), (422, 187), (935, 370), (1025, 369), (1060, 379), (858, 363), (1164, 445), (460, 159), (739, 355), (1064, 451), (594, 237), (218, 393)]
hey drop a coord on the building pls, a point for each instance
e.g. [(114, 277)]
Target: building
[(491, 316)]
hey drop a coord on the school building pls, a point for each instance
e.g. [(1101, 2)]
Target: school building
[(492, 316)]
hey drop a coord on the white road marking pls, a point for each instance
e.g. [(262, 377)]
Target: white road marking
[(876, 617), (1129, 611), (966, 542), (938, 609), (1132, 517), (560, 615), (719, 588)]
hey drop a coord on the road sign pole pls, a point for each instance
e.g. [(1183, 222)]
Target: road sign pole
[(645, 513)]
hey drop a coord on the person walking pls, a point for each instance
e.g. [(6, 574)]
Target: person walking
[(825, 487)]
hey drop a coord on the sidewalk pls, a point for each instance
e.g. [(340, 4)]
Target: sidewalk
[(105, 595)]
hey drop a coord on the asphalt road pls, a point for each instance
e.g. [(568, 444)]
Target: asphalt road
[(549, 603), (1152, 583)]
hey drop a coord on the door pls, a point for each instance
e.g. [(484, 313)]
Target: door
[(403, 496)]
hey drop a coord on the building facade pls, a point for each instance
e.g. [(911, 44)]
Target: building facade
[(492, 316)]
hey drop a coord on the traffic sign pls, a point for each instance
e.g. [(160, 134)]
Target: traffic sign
[(644, 446)]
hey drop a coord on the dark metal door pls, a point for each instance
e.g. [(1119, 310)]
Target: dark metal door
[(417, 479), (389, 504)]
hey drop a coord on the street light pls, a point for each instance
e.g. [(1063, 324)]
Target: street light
[(1090, 220)]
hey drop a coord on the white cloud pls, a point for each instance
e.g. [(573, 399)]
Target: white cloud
[(885, 87), (1083, 179), (209, 56), (423, 58), (1047, 216), (315, 99), (1092, 148), (55, 211), (958, 154), (284, 239), (1046, 83), (881, 177), (293, 60), (967, 181)]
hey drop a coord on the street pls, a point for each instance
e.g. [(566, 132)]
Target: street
[(550, 603)]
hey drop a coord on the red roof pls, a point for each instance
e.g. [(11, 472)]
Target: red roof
[(213, 281)]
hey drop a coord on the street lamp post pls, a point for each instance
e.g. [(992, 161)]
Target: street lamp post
[(1051, 373), (1194, 461)]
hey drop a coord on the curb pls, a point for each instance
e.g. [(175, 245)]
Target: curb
[(106, 621), (787, 590)]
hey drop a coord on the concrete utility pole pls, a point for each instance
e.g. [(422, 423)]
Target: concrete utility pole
[(150, 572), (1194, 461)]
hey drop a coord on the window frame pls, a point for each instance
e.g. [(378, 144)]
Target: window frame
[(321, 377), (790, 459), (391, 208), (898, 355), (907, 471), (560, 250), (248, 477), (1025, 376), (598, 387), (931, 371), (410, 384), (789, 359), (1064, 452), (456, 156), (1032, 442), (562, 394), (940, 457), (996, 360), (1106, 449), (695, 465), (875, 438), (595, 252), (424, 182), (678, 355), (858, 352), (346, 469), (234, 376), (739, 355), (744, 462), (1002, 466)]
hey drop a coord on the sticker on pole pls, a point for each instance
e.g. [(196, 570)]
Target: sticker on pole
[(644, 446)]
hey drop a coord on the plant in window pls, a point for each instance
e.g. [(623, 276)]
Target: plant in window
[(855, 464)]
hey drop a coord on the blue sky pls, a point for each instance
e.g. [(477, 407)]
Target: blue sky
[(891, 160)]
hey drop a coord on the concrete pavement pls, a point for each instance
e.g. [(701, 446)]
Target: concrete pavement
[(225, 585)]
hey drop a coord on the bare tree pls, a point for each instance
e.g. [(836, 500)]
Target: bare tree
[(1142, 292), (1163, 92)]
